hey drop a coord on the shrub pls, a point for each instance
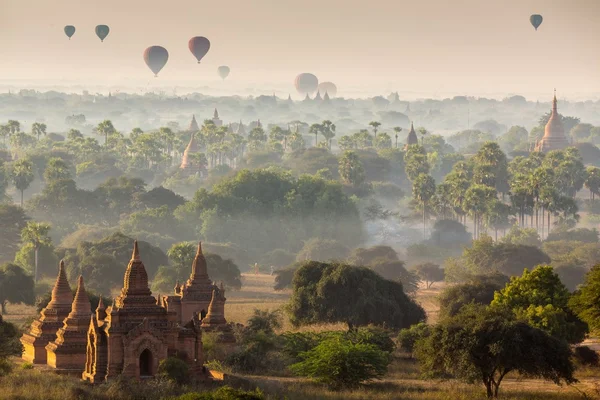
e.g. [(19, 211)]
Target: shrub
[(285, 276), (409, 336), (340, 363), (223, 393), (584, 355), (174, 369), (579, 235), (26, 365)]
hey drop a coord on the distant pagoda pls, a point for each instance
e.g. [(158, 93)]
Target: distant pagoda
[(194, 125), (412, 136), (554, 133)]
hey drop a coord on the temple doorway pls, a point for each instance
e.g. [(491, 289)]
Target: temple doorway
[(146, 364)]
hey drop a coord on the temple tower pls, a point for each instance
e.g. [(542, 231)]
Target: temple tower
[(43, 329), (216, 120), (194, 125), (554, 132), (68, 352), (187, 162), (412, 136)]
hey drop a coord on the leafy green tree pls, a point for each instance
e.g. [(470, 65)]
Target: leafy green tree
[(480, 290), (12, 219), (408, 337), (429, 273), (415, 161), (57, 169), (328, 131), (396, 271), (484, 345), (592, 181), (542, 299), (326, 292), (383, 141), (342, 364), (315, 129), (22, 175), (37, 234), (351, 169), (522, 236), (317, 249), (476, 203), (15, 286), (181, 255), (584, 301)]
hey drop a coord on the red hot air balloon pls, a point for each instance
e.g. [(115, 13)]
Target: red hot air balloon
[(199, 46), (156, 57), (306, 83)]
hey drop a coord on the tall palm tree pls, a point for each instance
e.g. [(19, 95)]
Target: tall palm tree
[(397, 129), (315, 129), (22, 175), (105, 128), (36, 233), (38, 129), (375, 125), (423, 192)]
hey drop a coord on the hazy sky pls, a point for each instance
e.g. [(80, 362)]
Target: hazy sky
[(426, 46)]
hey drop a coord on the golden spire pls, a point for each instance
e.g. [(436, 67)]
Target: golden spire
[(199, 268), (135, 255)]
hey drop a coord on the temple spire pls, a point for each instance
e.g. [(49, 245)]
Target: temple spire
[(61, 292), (81, 302), (135, 255), (199, 268)]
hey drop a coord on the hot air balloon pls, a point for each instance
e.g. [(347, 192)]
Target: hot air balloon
[(102, 32), (536, 20), (69, 31), (223, 71), (329, 88), (156, 57), (306, 83), (199, 46)]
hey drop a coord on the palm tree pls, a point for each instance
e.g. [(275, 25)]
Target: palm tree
[(315, 129), (423, 132), (36, 233), (423, 192), (397, 129), (22, 175), (328, 131), (38, 129), (375, 125), (105, 128), (4, 132)]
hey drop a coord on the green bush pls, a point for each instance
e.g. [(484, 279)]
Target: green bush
[(409, 336), (174, 369), (26, 365), (342, 364), (223, 393)]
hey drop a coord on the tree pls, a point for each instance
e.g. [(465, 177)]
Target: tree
[(415, 161), (340, 363), (485, 344), (15, 286), (315, 129), (12, 219), (584, 301), (592, 181), (351, 169), (423, 192), (317, 249), (540, 298), (397, 131), (36, 233), (367, 256), (375, 125), (181, 256), (22, 175), (328, 292), (429, 273), (328, 131), (395, 271), (106, 129), (480, 290), (38, 129), (408, 337), (57, 169)]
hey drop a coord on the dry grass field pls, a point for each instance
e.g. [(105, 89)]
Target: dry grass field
[(402, 381)]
